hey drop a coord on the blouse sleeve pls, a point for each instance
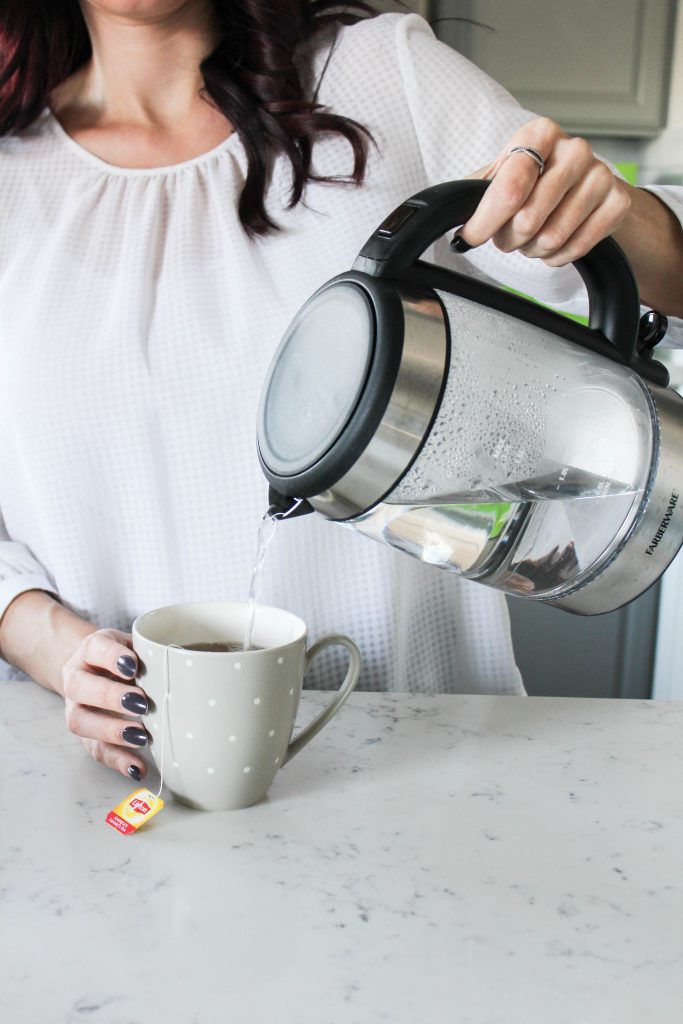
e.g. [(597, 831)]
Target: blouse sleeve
[(462, 119), (19, 571)]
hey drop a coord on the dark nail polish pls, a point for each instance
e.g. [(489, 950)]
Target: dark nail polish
[(458, 244), (127, 665), (135, 703), (135, 735), (134, 772)]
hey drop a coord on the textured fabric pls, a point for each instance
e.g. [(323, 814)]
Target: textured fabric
[(136, 324)]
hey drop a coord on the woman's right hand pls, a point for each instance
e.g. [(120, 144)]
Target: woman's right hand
[(99, 694)]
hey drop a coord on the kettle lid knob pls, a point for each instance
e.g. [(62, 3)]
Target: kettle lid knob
[(652, 328)]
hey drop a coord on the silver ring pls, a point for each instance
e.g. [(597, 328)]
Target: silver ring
[(533, 153)]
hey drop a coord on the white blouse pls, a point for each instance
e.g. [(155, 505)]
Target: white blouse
[(137, 322)]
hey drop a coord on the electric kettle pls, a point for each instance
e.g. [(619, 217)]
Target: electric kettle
[(475, 430)]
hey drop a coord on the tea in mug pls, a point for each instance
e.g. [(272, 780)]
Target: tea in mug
[(225, 647)]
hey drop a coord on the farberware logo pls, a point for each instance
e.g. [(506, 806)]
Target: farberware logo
[(663, 525)]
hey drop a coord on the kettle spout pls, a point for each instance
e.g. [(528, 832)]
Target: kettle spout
[(282, 507)]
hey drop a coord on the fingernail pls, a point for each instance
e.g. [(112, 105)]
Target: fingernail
[(135, 703), (134, 772), (126, 665), (458, 244), (134, 734)]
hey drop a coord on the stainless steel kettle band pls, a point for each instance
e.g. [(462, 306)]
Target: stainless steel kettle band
[(655, 537), (407, 418)]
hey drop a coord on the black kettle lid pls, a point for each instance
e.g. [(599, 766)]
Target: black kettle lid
[(329, 383)]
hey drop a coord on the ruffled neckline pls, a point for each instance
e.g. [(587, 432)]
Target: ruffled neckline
[(55, 126)]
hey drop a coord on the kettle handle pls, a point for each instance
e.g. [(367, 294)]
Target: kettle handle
[(403, 236)]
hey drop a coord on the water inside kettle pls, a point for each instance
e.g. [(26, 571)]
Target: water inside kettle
[(527, 547)]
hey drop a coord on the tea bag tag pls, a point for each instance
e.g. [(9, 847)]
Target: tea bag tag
[(136, 810)]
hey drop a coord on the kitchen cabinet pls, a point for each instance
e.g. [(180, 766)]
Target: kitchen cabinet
[(596, 68), (563, 655)]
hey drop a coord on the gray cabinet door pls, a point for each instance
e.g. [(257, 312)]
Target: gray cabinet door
[(562, 655), (599, 67)]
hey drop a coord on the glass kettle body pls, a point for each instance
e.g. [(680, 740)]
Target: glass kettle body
[(474, 430)]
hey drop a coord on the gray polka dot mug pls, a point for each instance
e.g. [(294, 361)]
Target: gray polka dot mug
[(221, 721)]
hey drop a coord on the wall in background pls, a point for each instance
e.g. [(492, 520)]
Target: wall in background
[(660, 159), (664, 156)]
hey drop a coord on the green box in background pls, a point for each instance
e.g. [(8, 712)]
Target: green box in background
[(630, 172)]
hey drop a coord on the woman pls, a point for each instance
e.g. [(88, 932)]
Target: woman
[(162, 221)]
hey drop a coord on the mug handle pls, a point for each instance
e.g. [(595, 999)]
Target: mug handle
[(344, 691)]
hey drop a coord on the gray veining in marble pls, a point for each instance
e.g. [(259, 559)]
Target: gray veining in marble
[(427, 860)]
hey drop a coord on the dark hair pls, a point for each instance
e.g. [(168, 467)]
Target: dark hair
[(251, 77)]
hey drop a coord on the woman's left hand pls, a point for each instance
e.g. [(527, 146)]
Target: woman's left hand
[(556, 216)]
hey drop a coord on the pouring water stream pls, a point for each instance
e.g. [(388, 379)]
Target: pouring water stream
[(266, 533)]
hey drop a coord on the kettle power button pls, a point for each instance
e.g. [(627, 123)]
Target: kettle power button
[(396, 219)]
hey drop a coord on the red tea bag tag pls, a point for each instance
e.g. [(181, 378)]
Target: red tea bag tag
[(134, 811)]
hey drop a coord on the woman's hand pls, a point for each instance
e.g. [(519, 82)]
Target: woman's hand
[(556, 216), (98, 693)]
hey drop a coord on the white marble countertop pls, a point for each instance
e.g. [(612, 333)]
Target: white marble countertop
[(427, 860)]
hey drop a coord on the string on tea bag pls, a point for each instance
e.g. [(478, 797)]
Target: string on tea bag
[(164, 713), (141, 806)]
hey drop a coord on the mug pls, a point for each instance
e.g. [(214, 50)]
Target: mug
[(221, 722)]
